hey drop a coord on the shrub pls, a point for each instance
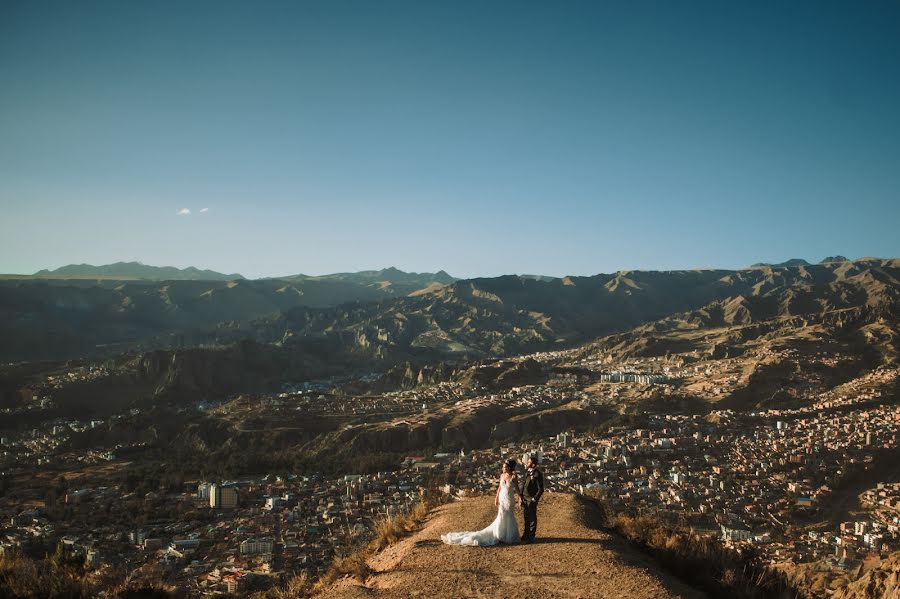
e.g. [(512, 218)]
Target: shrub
[(61, 577)]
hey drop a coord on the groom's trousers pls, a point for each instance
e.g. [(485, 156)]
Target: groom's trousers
[(530, 520)]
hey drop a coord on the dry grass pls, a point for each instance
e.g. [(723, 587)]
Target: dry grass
[(58, 577), (354, 565), (700, 561), (24, 577), (298, 585), (388, 531), (147, 582)]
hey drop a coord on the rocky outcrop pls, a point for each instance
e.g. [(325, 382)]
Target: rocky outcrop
[(881, 582), (409, 375), (210, 372)]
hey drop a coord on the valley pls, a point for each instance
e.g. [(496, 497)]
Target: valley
[(693, 395)]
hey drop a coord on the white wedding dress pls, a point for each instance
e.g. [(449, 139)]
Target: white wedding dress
[(502, 530)]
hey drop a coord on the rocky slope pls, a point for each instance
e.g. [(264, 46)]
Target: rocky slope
[(881, 582), (61, 318), (513, 315)]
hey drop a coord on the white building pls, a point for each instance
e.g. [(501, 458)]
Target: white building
[(223, 497), (257, 546)]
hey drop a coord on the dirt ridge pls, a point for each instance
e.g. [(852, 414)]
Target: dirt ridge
[(571, 558)]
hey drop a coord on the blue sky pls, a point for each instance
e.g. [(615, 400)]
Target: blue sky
[(479, 138)]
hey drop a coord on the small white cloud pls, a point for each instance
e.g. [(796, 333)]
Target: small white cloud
[(203, 210), (183, 212)]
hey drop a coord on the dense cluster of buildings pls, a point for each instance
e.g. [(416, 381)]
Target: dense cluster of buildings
[(773, 479), (228, 536), (385, 404)]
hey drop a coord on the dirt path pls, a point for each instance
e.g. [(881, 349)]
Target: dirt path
[(569, 559)]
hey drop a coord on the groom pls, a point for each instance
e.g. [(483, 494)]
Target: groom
[(532, 489)]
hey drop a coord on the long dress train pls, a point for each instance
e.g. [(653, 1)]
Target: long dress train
[(502, 530)]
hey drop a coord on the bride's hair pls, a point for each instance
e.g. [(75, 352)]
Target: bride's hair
[(510, 466)]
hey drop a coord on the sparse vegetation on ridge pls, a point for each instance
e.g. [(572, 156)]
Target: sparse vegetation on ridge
[(386, 532), (61, 576), (699, 561)]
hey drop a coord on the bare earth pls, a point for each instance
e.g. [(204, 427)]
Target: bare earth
[(569, 559)]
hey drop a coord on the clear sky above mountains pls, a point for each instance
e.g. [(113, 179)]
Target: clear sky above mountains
[(481, 138)]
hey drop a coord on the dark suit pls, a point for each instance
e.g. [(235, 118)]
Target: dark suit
[(532, 489)]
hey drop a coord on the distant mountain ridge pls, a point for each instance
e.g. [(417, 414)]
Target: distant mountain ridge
[(509, 315), (390, 275), (137, 270), (786, 263), (83, 310), (375, 319), (802, 262)]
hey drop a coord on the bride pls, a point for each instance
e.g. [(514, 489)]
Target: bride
[(504, 528)]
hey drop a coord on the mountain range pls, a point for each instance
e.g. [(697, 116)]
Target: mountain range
[(802, 262), (88, 316), (390, 275), (176, 341), (127, 271), (135, 270), (390, 315)]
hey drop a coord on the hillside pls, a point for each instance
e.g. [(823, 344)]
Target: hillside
[(512, 315), (569, 559), (55, 317), (881, 581), (753, 322)]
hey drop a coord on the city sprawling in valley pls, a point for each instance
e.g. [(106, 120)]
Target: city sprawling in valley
[(217, 435), (403, 299)]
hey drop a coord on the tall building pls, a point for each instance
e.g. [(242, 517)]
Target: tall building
[(223, 497)]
